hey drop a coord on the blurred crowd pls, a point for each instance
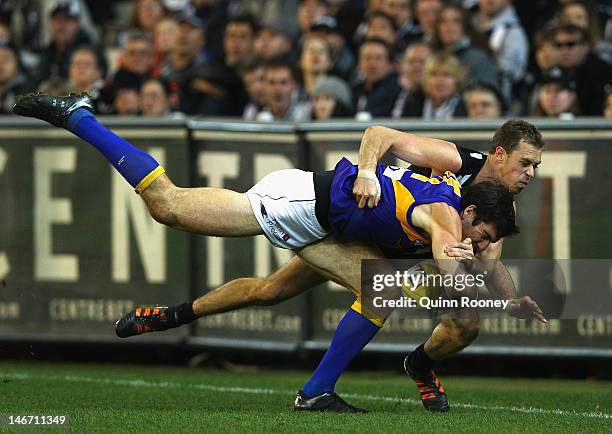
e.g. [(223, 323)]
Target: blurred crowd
[(301, 60)]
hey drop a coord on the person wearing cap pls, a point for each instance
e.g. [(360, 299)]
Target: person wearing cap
[(66, 36), (184, 61), (343, 58), (331, 98), (556, 95)]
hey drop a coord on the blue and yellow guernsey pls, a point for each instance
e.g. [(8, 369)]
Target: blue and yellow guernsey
[(389, 224)]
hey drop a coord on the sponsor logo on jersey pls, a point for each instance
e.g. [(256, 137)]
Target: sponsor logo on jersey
[(273, 227), (477, 155)]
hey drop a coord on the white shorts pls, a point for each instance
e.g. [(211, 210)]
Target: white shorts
[(284, 205)]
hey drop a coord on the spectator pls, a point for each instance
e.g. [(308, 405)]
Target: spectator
[(315, 63), (508, 42), (331, 99), (308, 11), (581, 14), (136, 63), (375, 88), (155, 98), (280, 89), (454, 35), (126, 102), (12, 81), (381, 26), (184, 62), (409, 102), (426, 13), (546, 56), (443, 82), (590, 73), (252, 76), (238, 40), (273, 41), (401, 12), (85, 74), (145, 16), (5, 34), (483, 101), (343, 58), (163, 40), (67, 36), (556, 95), (219, 84), (608, 106)]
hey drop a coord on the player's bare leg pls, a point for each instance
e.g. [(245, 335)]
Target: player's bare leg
[(293, 278), (209, 211), (340, 262), (450, 336), (290, 280), (203, 210)]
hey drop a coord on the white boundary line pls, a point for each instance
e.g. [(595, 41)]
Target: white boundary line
[(259, 391)]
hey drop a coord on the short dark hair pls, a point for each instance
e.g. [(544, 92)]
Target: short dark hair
[(281, 63), (572, 29), (494, 205), (247, 19), (379, 42), (380, 14), (512, 132)]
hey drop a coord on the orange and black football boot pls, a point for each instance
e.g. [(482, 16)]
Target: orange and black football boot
[(142, 320), (433, 395)]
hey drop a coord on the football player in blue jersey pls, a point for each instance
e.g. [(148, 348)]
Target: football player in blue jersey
[(288, 212)]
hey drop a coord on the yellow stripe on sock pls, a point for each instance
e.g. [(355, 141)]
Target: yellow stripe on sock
[(148, 180), (378, 322)]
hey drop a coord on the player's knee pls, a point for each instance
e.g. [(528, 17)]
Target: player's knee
[(267, 293), (162, 208)]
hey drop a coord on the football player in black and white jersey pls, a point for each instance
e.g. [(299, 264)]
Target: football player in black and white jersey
[(512, 160)]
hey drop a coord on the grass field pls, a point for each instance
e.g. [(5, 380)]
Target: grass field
[(122, 399)]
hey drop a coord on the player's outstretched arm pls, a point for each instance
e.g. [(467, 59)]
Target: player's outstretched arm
[(498, 279), (439, 155)]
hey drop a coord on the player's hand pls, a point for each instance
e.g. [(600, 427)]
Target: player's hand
[(461, 251), (525, 307), (366, 192)]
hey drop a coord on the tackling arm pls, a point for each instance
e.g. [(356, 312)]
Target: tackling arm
[(439, 155)]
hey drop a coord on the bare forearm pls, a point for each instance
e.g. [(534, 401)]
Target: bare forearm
[(374, 144), (500, 283), (411, 148)]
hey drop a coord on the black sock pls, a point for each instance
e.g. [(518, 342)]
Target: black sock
[(180, 314), (419, 361)]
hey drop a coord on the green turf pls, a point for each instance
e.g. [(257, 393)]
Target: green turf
[(122, 399)]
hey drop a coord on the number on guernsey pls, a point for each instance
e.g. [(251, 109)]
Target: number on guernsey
[(395, 172)]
